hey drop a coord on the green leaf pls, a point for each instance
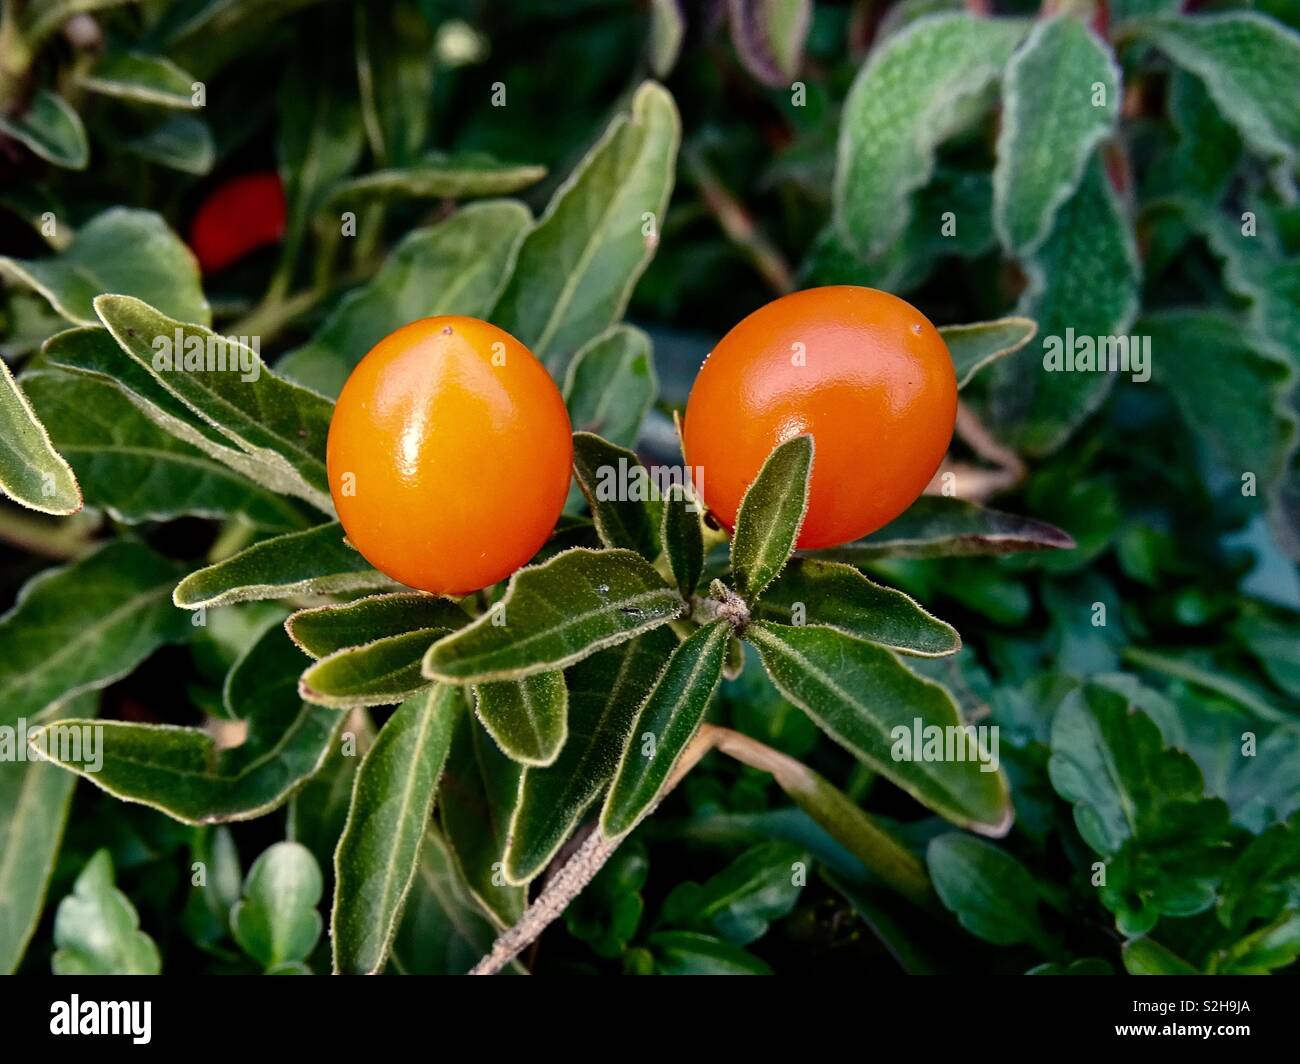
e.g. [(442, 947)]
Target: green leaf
[(1139, 804), (838, 596), (32, 472), (667, 28), (455, 267), (316, 562), (378, 855), (528, 718), (1051, 123), (51, 129), (1243, 416), (324, 630), (1083, 278), (611, 383), (973, 347), (276, 922), (737, 904), (475, 799), (34, 801), (438, 177), (130, 467), (578, 267), (683, 540), (281, 424), (618, 491), (141, 78), (771, 514), (82, 626), (380, 673), (605, 691), (444, 930), (160, 267), (664, 725), (97, 931), (769, 37), (690, 953), (936, 526), (180, 771), (179, 142), (1243, 58), (555, 614), (925, 72), (865, 699), (92, 352), (1142, 956), (989, 891), (1269, 948)]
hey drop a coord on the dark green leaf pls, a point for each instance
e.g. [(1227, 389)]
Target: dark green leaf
[(611, 383), (316, 562), (664, 725), (555, 614), (618, 491), (139, 78), (683, 540), (528, 718), (838, 596), (324, 630), (771, 514), (378, 855), (865, 699), (690, 953), (990, 892), (737, 904), (51, 129), (379, 673)]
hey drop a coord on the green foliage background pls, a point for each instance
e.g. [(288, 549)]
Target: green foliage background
[(1120, 168)]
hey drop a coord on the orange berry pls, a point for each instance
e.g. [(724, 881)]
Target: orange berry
[(862, 371), (449, 455)]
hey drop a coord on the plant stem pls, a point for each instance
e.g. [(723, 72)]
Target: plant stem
[(578, 871), (739, 224)]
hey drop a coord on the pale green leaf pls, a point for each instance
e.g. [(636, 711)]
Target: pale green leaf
[(276, 922), (32, 472), (973, 347), (610, 384), (97, 930), (141, 78)]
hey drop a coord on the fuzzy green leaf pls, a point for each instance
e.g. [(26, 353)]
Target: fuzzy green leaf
[(316, 562), (280, 423), (455, 267), (1243, 58), (82, 626), (276, 922), (936, 526), (379, 852), (180, 771), (577, 268), (32, 472), (528, 718), (34, 801), (379, 673), (902, 105), (605, 691), (769, 37), (140, 78), (683, 540), (179, 142), (1051, 123), (324, 630), (864, 698), (973, 347), (160, 267), (555, 614), (616, 486), (51, 129), (97, 930), (1083, 278), (838, 596), (771, 514), (130, 467), (478, 792), (611, 383), (664, 725), (438, 177)]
